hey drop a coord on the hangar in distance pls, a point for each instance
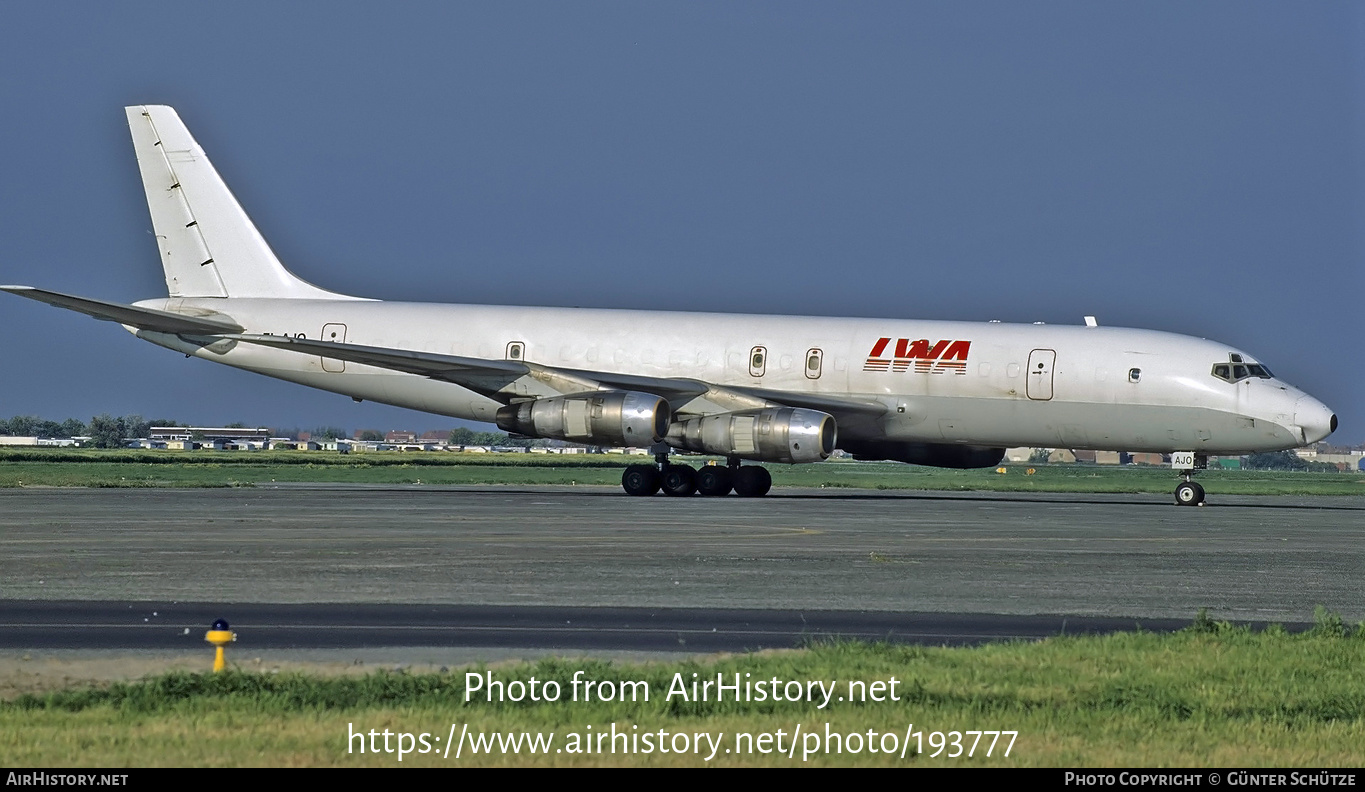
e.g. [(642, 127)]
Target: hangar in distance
[(777, 389)]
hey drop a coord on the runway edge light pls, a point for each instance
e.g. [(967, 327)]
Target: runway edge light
[(220, 635)]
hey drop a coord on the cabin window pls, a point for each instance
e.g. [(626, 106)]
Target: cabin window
[(1134, 374), (516, 350), (814, 362), (758, 359)]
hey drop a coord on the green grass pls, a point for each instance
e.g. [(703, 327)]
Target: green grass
[(145, 468), (1212, 695)]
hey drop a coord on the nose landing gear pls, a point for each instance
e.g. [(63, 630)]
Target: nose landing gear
[(1187, 492)]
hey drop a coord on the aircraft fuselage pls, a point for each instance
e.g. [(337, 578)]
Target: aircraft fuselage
[(970, 383)]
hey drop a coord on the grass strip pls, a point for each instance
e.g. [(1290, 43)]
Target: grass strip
[(1212, 695)]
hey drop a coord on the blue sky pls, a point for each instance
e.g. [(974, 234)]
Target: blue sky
[(1193, 167)]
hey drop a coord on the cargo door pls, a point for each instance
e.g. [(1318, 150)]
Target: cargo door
[(1040, 363), (337, 333)]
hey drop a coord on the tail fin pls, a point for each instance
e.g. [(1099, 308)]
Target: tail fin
[(209, 247)]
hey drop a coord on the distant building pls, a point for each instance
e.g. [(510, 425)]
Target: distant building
[(396, 437), (62, 442), (1149, 459), (208, 433)]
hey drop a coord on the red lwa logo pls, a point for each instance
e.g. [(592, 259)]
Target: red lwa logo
[(939, 358)]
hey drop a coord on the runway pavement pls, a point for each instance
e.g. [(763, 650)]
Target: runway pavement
[(1125, 556), (159, 626)]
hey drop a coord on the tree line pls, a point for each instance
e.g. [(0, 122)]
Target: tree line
[(104, 430)]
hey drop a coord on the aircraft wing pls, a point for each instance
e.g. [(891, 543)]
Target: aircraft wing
[(497, 378), (492, 378), (488, 377), (142, 318)]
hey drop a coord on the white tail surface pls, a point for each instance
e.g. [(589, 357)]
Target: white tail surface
[(209, 247)]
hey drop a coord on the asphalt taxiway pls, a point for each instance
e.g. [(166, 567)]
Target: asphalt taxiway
[(518, 558)]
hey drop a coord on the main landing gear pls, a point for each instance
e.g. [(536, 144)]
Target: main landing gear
[(747, 481), (1187, 492)]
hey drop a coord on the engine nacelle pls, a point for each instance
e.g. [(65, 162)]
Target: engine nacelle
[(607, 417), (772, 434), (943, 455)]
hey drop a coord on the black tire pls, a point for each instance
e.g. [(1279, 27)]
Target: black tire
[(640, 480), (765, 481), (752, 481), (1189, 493), (679, 481), (714, 480)]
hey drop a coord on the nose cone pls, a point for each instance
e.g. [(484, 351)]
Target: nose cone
[(1314, 419)]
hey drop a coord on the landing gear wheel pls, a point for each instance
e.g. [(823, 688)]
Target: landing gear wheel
[(752, 481), (714, 480), (640, 480), (1188, 493), (679, 480)]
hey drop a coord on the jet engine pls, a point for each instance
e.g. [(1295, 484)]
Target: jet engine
[(771, 434), (606, 417), (943, 455)]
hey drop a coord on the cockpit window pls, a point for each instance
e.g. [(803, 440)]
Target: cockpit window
[(1236, 370)]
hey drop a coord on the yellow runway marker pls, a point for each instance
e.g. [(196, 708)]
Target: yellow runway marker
[(220, 636)]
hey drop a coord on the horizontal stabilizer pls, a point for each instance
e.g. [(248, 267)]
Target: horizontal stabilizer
[(142, 318)]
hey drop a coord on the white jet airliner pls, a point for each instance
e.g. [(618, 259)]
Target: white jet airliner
[(759, 388)]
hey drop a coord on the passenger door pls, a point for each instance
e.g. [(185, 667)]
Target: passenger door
[(337, 333), (1040, 363)]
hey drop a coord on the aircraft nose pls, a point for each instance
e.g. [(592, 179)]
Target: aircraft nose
[(1314, 419)]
